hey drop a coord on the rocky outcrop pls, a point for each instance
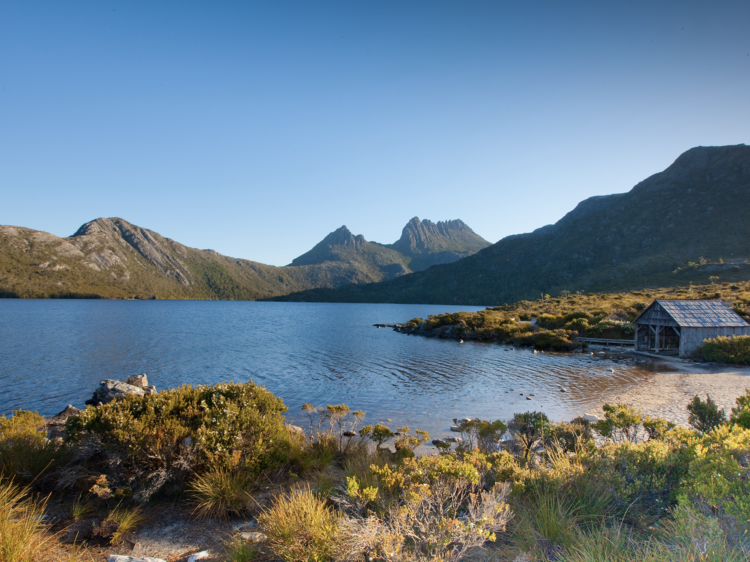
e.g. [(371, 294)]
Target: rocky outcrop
[(110, 390)]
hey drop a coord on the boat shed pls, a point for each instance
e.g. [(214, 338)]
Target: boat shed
[(677, 327)]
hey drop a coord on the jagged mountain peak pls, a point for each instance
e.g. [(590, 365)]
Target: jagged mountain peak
[(425, 236)]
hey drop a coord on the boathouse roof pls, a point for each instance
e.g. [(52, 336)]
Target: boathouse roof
[(697, 313)]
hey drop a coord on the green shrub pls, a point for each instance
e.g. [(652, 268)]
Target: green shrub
[(705, 416), (219, 493), (741, 414), (553, 340), (485, 435), (300, 528), (620, 423), (25, 451), (719, 475), (189, 429), (725, 349), (529, 429)]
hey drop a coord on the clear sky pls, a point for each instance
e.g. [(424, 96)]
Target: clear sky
[(256, 128)]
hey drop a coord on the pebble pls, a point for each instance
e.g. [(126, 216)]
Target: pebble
[(198, 556), (529, 398)]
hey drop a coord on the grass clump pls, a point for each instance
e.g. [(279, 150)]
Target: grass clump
[(25, 451), (220, 493), (300, 527), (123, 521), (22, 535)]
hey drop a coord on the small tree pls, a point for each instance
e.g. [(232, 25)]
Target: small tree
[(528, 429), (480, 433), (620, 423), (705, 416), (380, 433)]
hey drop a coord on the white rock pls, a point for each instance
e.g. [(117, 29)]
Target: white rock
[(253, 537), (590, 418), (199, 556)]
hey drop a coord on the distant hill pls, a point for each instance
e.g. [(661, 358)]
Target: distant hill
[(112, 258), (689, 222)]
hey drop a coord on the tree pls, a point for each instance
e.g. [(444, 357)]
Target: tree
[(705, 416)]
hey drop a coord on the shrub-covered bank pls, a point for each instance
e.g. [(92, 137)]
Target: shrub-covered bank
[(524, 488), (555, 323)]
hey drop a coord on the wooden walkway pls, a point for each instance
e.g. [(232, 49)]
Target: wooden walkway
[(603, 341)]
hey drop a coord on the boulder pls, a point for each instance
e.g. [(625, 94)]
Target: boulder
[(113, 390), (453, 439), (199, 556), (455, 428), (294, 428), (590, 418), (140, 381), (350, 434), (56, 424)]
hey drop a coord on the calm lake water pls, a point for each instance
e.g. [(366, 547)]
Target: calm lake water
[(55, 352)]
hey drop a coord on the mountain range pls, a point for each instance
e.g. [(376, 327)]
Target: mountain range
[(112, 258), (690, 222)]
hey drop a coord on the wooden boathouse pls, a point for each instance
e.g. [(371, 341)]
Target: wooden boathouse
[(677, 327)]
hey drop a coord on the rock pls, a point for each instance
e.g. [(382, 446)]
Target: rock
[(453, 439), (455, 428), (294, 428), (441, 444), (56, 424), (253, 537), (350, 433), (113, 390), (590, 418), (120, 558), (529, 398), (563, 390), (611, 370), (198, 556), (141, 381)]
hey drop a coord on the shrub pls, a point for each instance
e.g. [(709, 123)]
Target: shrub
[(741, 414), (219, 493), (380, 433), (719, 475), (528, 429), (571, 436), (725, 349), (485, 435), (657, 428), (554, 340), (299, 527), (705, 416), (22, 537), (25, 451), (620, 423), (175, 432)]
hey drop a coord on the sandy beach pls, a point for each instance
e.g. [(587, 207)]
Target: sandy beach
[(667, 392)]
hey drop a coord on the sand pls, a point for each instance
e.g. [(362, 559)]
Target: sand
[(667, 392)]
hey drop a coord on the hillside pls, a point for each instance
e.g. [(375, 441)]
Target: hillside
[(112, 258), (687, 223)]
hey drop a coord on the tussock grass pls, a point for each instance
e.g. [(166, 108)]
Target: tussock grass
[(300, 527), (220, 493), (127, 518), (22, 536)]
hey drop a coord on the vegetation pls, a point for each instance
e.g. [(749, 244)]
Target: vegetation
[(526, 488), (735, 350)]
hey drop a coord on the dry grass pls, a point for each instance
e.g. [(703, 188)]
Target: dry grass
[(127, 518), (299, 527), (220, 493), (22, 534)]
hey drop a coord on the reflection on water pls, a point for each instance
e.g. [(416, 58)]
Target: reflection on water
[(55, 352)]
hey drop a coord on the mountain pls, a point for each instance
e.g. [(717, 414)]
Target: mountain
[(112, 258), (689, 222), (422, 244)]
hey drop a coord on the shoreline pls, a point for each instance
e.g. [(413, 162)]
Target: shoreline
[(667, 392)]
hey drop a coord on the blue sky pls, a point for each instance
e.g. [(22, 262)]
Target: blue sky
[(256, 128)]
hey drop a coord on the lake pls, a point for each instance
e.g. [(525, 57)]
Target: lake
[(55, 352)]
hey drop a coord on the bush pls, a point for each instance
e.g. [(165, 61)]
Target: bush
[(300, 528), (741, 414), (724, 349), (719, 475), (174, 433), (219, 493), (705, 416), (25, 451), (553, 340), (485, 435), (529, 429), (620, 423)]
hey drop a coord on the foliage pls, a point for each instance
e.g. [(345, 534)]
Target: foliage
[(299, 527), (22, 537), (529, 429), (705, 416), (228, 426), (405, 442), (220, 492), (657, 428), (719, 475), (620, 423), (380, 433), (741, 413), (126, 519), (25, 451), (725, 349), (485, 435)]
